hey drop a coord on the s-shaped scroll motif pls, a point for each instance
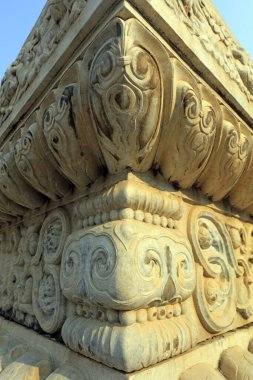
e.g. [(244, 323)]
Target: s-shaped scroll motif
[(215, 294)]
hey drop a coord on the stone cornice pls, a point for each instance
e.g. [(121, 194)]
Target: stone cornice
[(147, 111), (55, 20), (224, 63), (200, 36)]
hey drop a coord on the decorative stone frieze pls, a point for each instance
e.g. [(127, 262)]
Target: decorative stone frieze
[(125, 196)]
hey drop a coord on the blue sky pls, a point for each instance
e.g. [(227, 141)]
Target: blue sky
[(17, 17)]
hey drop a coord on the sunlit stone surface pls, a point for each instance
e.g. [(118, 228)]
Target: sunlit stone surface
[(126, 195)]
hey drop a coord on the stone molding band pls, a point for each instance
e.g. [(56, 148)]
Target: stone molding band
[(191, 139)]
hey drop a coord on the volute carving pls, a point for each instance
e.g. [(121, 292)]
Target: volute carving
[(241, 195), (96, 264)]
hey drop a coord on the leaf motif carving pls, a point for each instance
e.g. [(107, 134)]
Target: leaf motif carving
[(125, 93), (190, 134)]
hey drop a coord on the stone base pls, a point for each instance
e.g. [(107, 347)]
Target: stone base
[(25, 354)]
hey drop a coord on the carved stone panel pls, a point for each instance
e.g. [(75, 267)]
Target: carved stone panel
[(32, 158), (127, 91), (99, 264), (215, 292), (189, 136), (66, 133), (11, 182), (48, 302)]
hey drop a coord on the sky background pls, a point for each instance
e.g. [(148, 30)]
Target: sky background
[(17, 18)]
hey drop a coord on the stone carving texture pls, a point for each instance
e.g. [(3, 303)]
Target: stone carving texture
[(97, 241), (237, 364), (31, 156), (53, 23), (126, 96), (215, 288), (48, 302), (95, 263), (203, 22), (62, 125), (191, 129)]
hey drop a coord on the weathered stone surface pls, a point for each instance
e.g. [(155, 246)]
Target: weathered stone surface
[(125, 195)]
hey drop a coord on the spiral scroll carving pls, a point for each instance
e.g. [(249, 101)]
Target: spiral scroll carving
[(99, 265), (215, 292)]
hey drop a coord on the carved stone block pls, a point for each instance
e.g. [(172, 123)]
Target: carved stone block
[(126, 197)]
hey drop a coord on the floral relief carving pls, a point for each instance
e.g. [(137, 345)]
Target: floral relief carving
[(56, 18), (228, 160), (215, 294), (191, 131), (20, 279), (8, 246), (62, 121), (48, 302), (11, 182), (241, 244), (33, 162), (204, 22), (126, 96)]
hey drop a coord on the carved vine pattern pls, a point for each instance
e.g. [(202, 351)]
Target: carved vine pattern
[(202, 22)]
